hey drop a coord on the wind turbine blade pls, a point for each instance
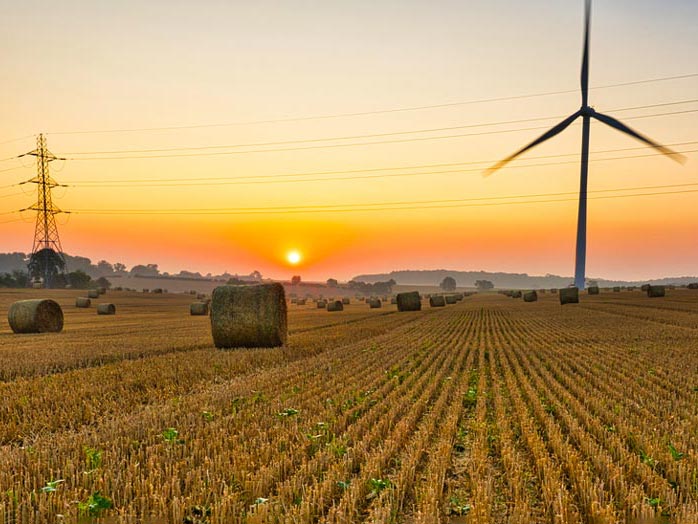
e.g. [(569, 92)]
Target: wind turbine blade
[(585, 56), (620, 126), (559, 128)]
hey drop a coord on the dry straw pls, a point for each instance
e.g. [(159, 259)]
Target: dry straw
[(35, 316), (335, 305), (374, 303), (198, 309), (530, 296), (83, 302), (249, 316), (437, 301), (569, 295), (656, 291), (409, 301), (106, 309)]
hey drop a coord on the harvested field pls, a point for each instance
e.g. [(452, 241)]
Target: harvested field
[(491, 410)]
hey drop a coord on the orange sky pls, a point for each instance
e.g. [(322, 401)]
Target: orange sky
[(93, 67)]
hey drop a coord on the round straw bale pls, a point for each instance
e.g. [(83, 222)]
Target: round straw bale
[(393, 300), (616, 289), (374, 303), (83, 302), (157, 290), (198, 309), (409, 301), (530, 296), (101, 290), (321, 304), (437, 301), (553, 291), (92, 293), (516, 294), (451, 299), (249, 316), (35, 316), (569, 295), (644, 288), (301, 302), (656, 291), (106, 309), (693, 285), (335, 305), (593, 290), (346, 301)]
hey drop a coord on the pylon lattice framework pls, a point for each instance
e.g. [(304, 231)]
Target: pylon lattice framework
[(46, 231)]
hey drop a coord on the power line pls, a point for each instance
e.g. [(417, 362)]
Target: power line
[(347, 209), (375, 112), (372, 135), (365, 170), (351, 144), (93, 184)]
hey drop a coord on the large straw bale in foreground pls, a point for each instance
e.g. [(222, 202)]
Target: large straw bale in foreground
[(249, 316), (409, 301), (35, 316), (437, 301), (569, 295)]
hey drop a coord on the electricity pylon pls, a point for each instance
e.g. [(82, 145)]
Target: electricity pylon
[(47, 258)]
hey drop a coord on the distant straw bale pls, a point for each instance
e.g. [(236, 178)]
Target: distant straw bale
[(198, 309), (530, 296), (35, 316), (106, 309), (83, 302), (374, 303), (593, 290), (335, 305), (569, 295), (451, 299), (346, 301), (92, 293), (656, 291), (437, 301), (249, 316)]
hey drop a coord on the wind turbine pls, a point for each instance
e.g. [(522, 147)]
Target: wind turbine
[(586, 113)]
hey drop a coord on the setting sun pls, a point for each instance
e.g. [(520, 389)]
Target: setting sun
[(293, 257)]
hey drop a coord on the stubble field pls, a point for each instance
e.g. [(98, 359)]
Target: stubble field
[(491, 410)]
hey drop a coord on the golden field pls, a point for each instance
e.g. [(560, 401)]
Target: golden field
[(491, 410)]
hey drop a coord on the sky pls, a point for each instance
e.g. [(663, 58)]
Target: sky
[(295, 106)]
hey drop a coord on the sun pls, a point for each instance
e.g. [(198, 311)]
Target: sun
[(293, 257)]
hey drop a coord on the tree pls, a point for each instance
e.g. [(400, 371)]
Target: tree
[(448, 284), (79, 279), (332, 282), (484, 285), (295, 280), (150, 270), (104, 268), (103, 282), (119, 267), (46, 264)]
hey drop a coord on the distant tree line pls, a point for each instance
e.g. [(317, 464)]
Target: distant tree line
[(377, 288), (75, 279)]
